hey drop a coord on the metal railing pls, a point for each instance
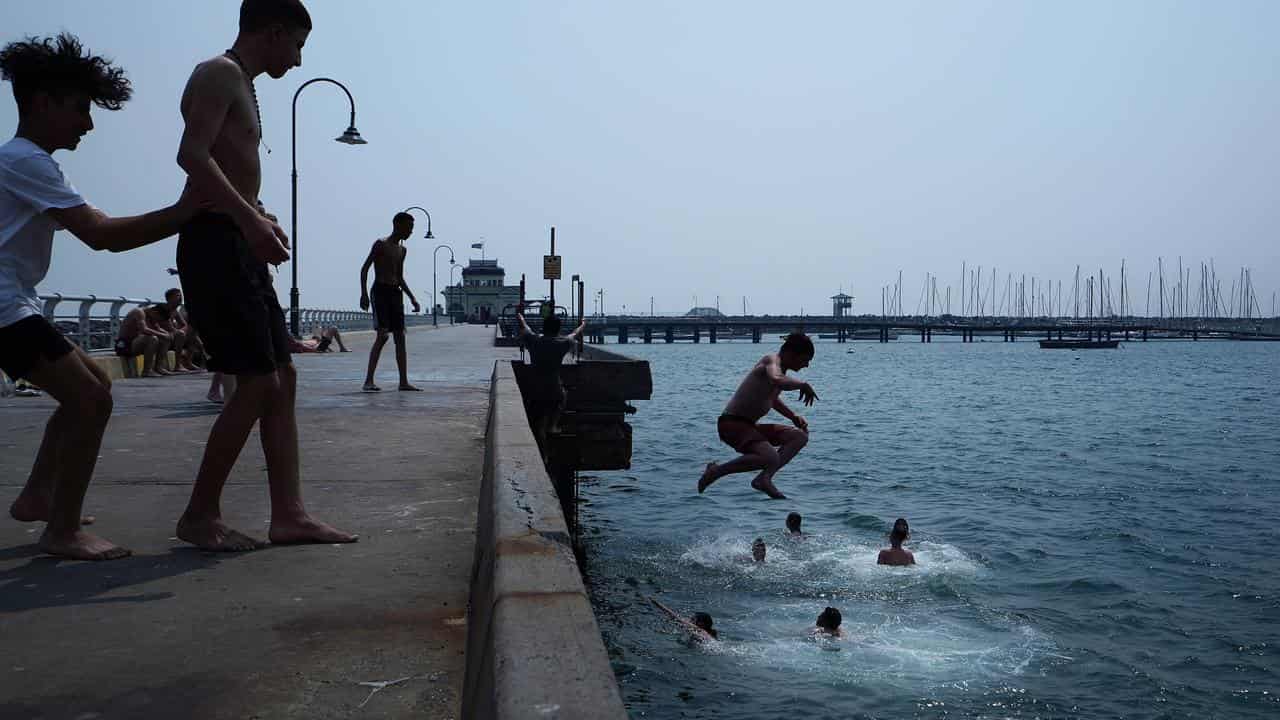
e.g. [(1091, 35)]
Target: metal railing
[(98, 330)]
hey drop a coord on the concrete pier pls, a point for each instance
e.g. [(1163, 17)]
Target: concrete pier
[(290, 632)]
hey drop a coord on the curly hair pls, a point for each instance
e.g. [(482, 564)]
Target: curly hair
[(60, 65)]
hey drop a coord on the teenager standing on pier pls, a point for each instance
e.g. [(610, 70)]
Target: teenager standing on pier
[(222, 261), (389, 288), (55, 83)]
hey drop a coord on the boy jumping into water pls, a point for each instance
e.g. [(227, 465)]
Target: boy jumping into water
[(389, 288), (55, 83), (222, 261), (739, 427)]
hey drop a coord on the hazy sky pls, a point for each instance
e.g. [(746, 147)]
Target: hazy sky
[(776, 151)]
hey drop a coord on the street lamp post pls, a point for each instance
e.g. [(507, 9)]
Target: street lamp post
[(434, 254), (428, 236), (350, 136)]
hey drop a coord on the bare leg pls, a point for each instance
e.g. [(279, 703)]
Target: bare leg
[(758, 456), (201, 524), (145, 345), (215, 388), (337, 337), (374, 353), (795, 440), (161, 366), (290, 522), (402, 362), (35, 502), (84, 408)]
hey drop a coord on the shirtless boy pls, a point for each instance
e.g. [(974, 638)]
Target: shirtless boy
[(223, 259), (142, 333), (55, 82), (389, 288), (763, 446)]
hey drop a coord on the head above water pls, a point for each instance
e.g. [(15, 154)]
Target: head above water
[(274, 31), (401, 226), (901, 531), (758, 550), (551, 326), (703, 620), (830, 619), (793, 522), (55, 81), (796, 352)]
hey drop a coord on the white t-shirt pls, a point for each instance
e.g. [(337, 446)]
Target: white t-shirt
[(30, 183)]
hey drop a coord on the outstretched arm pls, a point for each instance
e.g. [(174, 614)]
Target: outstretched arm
[(780, 380), (103, 232)]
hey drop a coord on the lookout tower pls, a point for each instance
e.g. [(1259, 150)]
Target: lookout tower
[(841, 305)]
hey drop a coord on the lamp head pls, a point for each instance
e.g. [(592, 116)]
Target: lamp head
[(429, 236), (351, 136)]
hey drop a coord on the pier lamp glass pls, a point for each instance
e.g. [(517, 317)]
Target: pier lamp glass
[(351, 136)]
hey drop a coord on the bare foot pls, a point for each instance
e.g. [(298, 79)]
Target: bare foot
[(150, 374), (215, 536), (370, 387), (406, 387), (705, 481), (768, 488), (33, 509), (306, 530), (81, 545)]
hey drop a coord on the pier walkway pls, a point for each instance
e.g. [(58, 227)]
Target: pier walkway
[(291, 632)]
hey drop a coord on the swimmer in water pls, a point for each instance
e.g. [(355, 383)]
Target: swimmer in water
[(793, 524), (896, 555), (699, 625), (828, 625), (758, 550)]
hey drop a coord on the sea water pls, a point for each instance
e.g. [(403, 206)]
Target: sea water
[(1095, 535)]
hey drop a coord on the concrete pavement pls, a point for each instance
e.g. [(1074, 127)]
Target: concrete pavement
[(292, 632)]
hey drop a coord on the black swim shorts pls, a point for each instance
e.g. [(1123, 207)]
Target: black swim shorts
[(23, 343), (388, 307), (230, 298)]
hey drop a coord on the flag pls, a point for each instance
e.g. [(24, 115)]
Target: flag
[(477, 246)]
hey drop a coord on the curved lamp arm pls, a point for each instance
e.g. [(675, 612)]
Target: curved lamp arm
[(424, 212), (350, 136)]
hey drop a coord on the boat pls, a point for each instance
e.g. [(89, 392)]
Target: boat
[(1077, 344)]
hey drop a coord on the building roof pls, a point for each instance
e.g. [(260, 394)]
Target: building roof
[(704, 312), (483, 267)]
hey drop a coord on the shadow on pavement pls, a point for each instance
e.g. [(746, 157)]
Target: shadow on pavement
[(47, 582)]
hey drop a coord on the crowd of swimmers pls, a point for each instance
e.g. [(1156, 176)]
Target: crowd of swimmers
[(700, 625)]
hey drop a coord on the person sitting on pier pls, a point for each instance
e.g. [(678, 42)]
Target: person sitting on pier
[(186, 343), (739, 426), (793, 524), (700, 625), (327, 337), (828, 625), (897, 555), (55, 84), (544, 394), (142, 332)]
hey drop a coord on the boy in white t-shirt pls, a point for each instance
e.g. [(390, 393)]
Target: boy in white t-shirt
[(54, 83)]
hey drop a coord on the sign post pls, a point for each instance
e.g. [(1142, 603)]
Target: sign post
[(551, 268)]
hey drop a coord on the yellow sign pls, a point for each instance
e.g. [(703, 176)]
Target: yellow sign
[(550, 267)]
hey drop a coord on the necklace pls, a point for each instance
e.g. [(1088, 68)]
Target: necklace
[(257, 111)]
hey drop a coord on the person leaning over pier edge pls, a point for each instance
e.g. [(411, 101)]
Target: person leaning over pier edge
[(740, 428), (222, 262), (544, 396), (55, 81)]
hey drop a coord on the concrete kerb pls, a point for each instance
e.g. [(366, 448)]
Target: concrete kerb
[(533, 647)]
